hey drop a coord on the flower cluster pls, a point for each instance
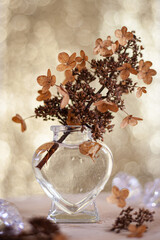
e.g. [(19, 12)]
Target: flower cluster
[(118, 71)]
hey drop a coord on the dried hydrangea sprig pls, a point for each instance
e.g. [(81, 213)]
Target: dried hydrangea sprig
[(129, 216), (77, 98), (118, 197)]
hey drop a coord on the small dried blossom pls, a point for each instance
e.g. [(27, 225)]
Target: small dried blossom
[(46, 81), (69, 77), (118, 197), (89, 148), (67, 62), (125, 71), (43, 96), (81, 60), (19, 119), (101, 47), (104, 106), (136, 231), (123, 36), (145, 72), (65, 95), (133, 121), (140, 90)]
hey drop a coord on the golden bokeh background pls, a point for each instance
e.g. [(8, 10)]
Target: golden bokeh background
[(32, 33)]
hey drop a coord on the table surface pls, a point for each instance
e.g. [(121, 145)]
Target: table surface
[(40, 205)]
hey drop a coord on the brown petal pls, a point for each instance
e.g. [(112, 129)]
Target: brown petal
[(82, 53), (132, 228), (133, 71), (124, 193), (137, 118), (72, 58), (124, 30), (148, 64), (65, 95), (78, 59), (141, 75), (121, 203), (17, 118), (44, 147), (49, 73), (45, 88), (122, 41), (139, 92), (98, 41), (115, 191), (129, 36), (120, 68), (23, 126), (53, 80), (63, 57), (118, 33), (96, 50), (125, 122), (124, 74), (42, 80), (61, 67), (152, 72), (141, 63), (141, 229), (89, 148), (147, 79), (43, 96), (112, 107), (133, 121), (71, 66)]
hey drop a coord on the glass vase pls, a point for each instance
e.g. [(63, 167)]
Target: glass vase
[(71, 179)]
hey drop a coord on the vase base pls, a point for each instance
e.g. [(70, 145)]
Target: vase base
[(89, 215)]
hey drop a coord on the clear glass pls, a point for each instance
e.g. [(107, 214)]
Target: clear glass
[(73, 180)]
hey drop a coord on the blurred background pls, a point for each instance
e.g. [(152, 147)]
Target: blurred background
[(32, 33)]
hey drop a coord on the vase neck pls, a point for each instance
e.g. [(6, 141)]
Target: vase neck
[(75, 136)]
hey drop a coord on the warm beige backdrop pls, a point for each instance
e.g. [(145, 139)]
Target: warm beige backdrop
[(32, 33)]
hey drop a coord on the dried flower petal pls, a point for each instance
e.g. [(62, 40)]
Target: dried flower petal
[(44, 147), (65, 95), (136, 231), (140, 90), (130, 120), (43, 96), (67, 62), (123, 36), (82, 60), (125, 71), (104, 106), (118, 196), (69, 77), (46, 81), (145, 73), (89, 148), (19, 119)]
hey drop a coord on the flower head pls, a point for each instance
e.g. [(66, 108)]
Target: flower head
[(123, 36), (125, 71), (104, 106), (140, 90), (130, 120), (46, 81), (67, 62), (118, 196), (82, 60), (89, 148), (19, 119), (145, 72), (101, 47)]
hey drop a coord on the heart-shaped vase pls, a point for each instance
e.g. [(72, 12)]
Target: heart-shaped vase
[(72, 170)]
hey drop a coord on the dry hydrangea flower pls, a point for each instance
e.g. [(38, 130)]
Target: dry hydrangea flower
[(82, 60), (89, 148), (118, 196), (44, 147), (102, 47), (133, 121), (46, 81), (43, 96), (123, 36), (140, 90), (104, 106), (67, 62), (19, 119), (115, 46), (125, 71), (69, 77), (65, 95), (145, 72), (136, 232), (72, 119)]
